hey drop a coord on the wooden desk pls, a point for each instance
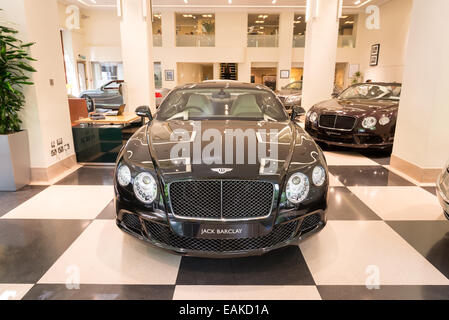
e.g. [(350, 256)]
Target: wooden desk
[(125, 118)]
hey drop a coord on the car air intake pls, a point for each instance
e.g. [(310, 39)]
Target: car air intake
[(162, 234), (332, 121), (221, 199)]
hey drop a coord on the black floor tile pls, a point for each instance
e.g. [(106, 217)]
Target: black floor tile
[(90, 176), (285, 266), (367, 176), (379, 156), (28, 248), (11, 200), (108, 212), (432, 190), (430, 238), (384, 293), (100, 292), (344, 205)]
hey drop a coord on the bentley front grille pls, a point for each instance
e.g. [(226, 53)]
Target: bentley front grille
[(333, 121), (221, 199)]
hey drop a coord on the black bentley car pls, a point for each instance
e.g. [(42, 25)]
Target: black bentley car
[(362, 116), (443, 190), (220, 205)]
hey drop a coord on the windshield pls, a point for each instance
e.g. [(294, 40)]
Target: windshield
[(372, 92), (294, 86), (217, 103)]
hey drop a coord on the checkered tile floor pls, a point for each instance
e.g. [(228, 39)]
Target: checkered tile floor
[(381, 226)]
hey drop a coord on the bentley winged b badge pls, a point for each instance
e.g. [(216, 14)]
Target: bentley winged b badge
[(222, 170)]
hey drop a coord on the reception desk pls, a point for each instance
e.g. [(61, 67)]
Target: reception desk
[(100, 141)]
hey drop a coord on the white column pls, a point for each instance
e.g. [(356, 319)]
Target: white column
[(169, 42), (137, 55), (421, 144), (46, 114), (285, 46), (320, 52)]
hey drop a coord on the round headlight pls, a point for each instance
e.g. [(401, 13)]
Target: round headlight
[(297, 188), (145, 187), (369, 122), (313, 117), (384, 121), (123, 175), (318, 176)]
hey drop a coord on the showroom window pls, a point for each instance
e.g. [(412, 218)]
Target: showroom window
[(157, 30), (299, 31), (263, 30), (195, 30), (346, 31), (157, 75), (104, 72)]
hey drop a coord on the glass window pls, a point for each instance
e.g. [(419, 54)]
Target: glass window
[(374, 91), (346, 31), (195, 30), (157, 75), (104, 72), (157, 30), (294, 86), (299, 31), (218, 103), (263, 30)]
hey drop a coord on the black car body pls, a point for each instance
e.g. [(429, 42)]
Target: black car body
[(220, 210), (443, 190), (362, 116)]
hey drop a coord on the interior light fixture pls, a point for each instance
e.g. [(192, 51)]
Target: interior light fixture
[(357, 2), (186, 1), (274, 1), (230, 1), (349, 22)]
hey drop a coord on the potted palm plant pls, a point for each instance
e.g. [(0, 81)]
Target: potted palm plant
[(14, 145)]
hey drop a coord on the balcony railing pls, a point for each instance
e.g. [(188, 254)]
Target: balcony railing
[(157, 40), (260, 41), (191, 40), (299, 41), (346, 41)]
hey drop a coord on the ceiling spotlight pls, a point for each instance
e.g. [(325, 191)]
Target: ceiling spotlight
[(230, 1), (186, 1), (274, 1), (357, 2)]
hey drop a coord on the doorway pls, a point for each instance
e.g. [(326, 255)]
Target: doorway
[(265, 76), (194, 72), (82, 76)]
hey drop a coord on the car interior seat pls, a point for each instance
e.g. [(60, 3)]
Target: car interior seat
[(199, 102), (246, 105)]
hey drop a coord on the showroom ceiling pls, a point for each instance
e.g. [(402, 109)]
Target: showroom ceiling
[(350, 4)]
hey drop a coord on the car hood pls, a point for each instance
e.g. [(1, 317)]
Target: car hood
[(286, 92), (295, 149), (356, 107), (89, 92)]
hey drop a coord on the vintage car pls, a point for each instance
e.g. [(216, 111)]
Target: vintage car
[(291, 94), (443, 189), (110, 96), (362, 116), (174, 192)]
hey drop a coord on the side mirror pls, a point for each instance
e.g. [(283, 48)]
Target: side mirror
[(297, 111), (144, 112), (334, 95)]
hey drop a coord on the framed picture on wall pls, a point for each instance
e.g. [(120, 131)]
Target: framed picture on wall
[(285, 74), (374, 58), (169, 75)]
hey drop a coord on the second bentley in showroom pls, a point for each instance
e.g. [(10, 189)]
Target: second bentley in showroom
[(362, 116), (221, 205)]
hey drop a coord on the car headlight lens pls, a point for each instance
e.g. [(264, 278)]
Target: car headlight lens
[(318, 176), (369, 122), (313, 117), (297, 188), (384, 121), (123, 175), (145, 187)]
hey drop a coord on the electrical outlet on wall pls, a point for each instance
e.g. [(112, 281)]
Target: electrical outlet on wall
[(59, 141)]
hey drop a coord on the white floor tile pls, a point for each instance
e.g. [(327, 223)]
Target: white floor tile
[(334, 182), (103, 254), (13, 291), (64, 202), (246, 293), (400, 203), (347, 159), (353, 252)]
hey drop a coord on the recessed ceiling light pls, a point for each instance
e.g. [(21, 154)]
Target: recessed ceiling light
[(357, 2), (274, 1), (186, 1), (230, 1), (344, 17), (349, 22)]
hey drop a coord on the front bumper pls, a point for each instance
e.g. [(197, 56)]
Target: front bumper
[(443, 198), (351, 139), (155, 229)]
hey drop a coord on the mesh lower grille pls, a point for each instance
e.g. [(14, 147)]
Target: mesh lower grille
[(337, 122), (132, 222), (310, 222), (163, 234), (228, 199)]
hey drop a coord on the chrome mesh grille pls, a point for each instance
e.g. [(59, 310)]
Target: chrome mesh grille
[(333, 121), (221, 199), (162, 234)]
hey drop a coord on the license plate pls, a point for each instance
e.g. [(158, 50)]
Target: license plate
[(220, 231)]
